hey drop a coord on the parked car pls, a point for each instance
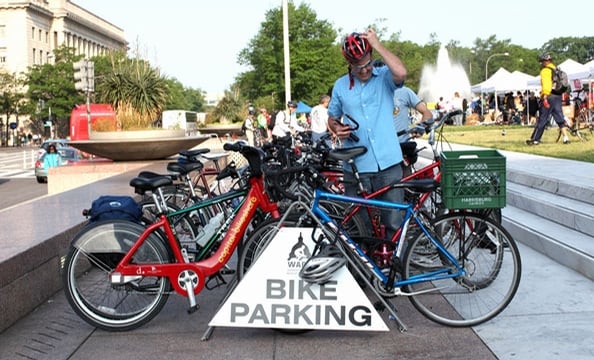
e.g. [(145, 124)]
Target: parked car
[(44, 145), (69, 156)]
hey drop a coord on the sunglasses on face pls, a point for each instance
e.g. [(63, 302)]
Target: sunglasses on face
[(361, 67)]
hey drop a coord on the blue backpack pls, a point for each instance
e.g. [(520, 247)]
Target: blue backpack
[(109, 207)]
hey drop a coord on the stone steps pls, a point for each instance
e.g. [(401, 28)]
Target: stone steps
[(550, 206), (558, 226)]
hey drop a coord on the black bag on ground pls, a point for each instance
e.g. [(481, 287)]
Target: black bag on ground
[(109, 207)]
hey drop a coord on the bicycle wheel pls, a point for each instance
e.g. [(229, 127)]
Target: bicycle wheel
[(93, 255), (489, 257)]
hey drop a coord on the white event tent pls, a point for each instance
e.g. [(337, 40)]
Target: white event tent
[(503, 80)]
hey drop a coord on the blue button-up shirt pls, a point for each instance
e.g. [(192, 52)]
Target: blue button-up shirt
[(371, 104)]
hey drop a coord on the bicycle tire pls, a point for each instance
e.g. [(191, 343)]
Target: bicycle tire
[(492, 273), (93, 255)]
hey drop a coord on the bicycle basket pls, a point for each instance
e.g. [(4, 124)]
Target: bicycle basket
[(473, 179)]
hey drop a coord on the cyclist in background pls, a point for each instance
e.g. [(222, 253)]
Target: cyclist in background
[(263, 117), (366, 93), (286, 121), (319, 118), (550, 103)]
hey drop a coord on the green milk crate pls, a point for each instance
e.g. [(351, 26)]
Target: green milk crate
[(473, 179)]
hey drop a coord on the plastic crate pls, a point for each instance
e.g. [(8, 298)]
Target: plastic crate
[(473, 179)]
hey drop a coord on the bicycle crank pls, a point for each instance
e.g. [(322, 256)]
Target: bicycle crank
[(188, 280)]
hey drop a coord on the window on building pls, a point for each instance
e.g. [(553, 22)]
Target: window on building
[(34, 52), (33, 32), (39, 36), (47, 37), (2, 37)]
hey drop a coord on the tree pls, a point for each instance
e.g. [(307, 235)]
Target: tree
[(11, 98), (182, 98), (137, 92), (230, 108), (315, 57), (53, 86), (578, 49)]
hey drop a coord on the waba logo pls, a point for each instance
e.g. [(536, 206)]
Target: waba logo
[(297, 256)]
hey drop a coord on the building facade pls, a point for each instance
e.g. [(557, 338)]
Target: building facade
[(31, 30)]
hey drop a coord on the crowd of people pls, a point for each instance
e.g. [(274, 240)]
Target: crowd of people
[(406, 108)]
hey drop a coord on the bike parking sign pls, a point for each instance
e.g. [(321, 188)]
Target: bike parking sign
[(272, 295)]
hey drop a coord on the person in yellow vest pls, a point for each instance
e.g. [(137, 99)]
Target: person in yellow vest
[(550, 103)]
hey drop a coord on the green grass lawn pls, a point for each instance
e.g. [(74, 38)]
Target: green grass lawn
[(490, 136)]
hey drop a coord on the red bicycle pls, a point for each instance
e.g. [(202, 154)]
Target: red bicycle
[(118, 274)]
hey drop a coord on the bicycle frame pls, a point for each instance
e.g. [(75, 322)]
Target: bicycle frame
[(427, 172), (410, 214), (255, 198)]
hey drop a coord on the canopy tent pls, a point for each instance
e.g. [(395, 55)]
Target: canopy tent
[(489, 85), (303, 107), (503, 80), (524, 79)]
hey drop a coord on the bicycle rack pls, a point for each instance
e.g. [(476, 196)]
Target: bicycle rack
[(303, 206)]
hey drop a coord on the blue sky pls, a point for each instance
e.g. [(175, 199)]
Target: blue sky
[(221, 29)]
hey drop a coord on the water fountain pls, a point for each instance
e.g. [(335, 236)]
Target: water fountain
[(443, 79)]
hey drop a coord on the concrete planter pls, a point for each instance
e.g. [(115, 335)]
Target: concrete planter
[(137, 134), (138, 145)]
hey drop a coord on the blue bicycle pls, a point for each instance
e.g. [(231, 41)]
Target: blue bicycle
[(459, 269)]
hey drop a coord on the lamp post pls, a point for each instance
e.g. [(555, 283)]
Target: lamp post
[(487, 63), (487, 75)]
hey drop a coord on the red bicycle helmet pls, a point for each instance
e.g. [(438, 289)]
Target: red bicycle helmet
[(355, 47)]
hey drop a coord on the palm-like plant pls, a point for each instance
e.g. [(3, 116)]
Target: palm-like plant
[(136, 91)]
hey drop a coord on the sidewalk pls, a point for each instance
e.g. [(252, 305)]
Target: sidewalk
[(551, 317)]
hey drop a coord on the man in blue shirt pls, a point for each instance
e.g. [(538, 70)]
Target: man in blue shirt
[(366, 94)]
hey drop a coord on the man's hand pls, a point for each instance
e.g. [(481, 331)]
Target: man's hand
[(339, 129)]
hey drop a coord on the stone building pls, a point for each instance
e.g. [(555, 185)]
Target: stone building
[(31, 30)]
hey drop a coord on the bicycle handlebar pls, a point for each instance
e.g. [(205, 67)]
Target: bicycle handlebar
[(353, 137), (253, 155), (273, 176)]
